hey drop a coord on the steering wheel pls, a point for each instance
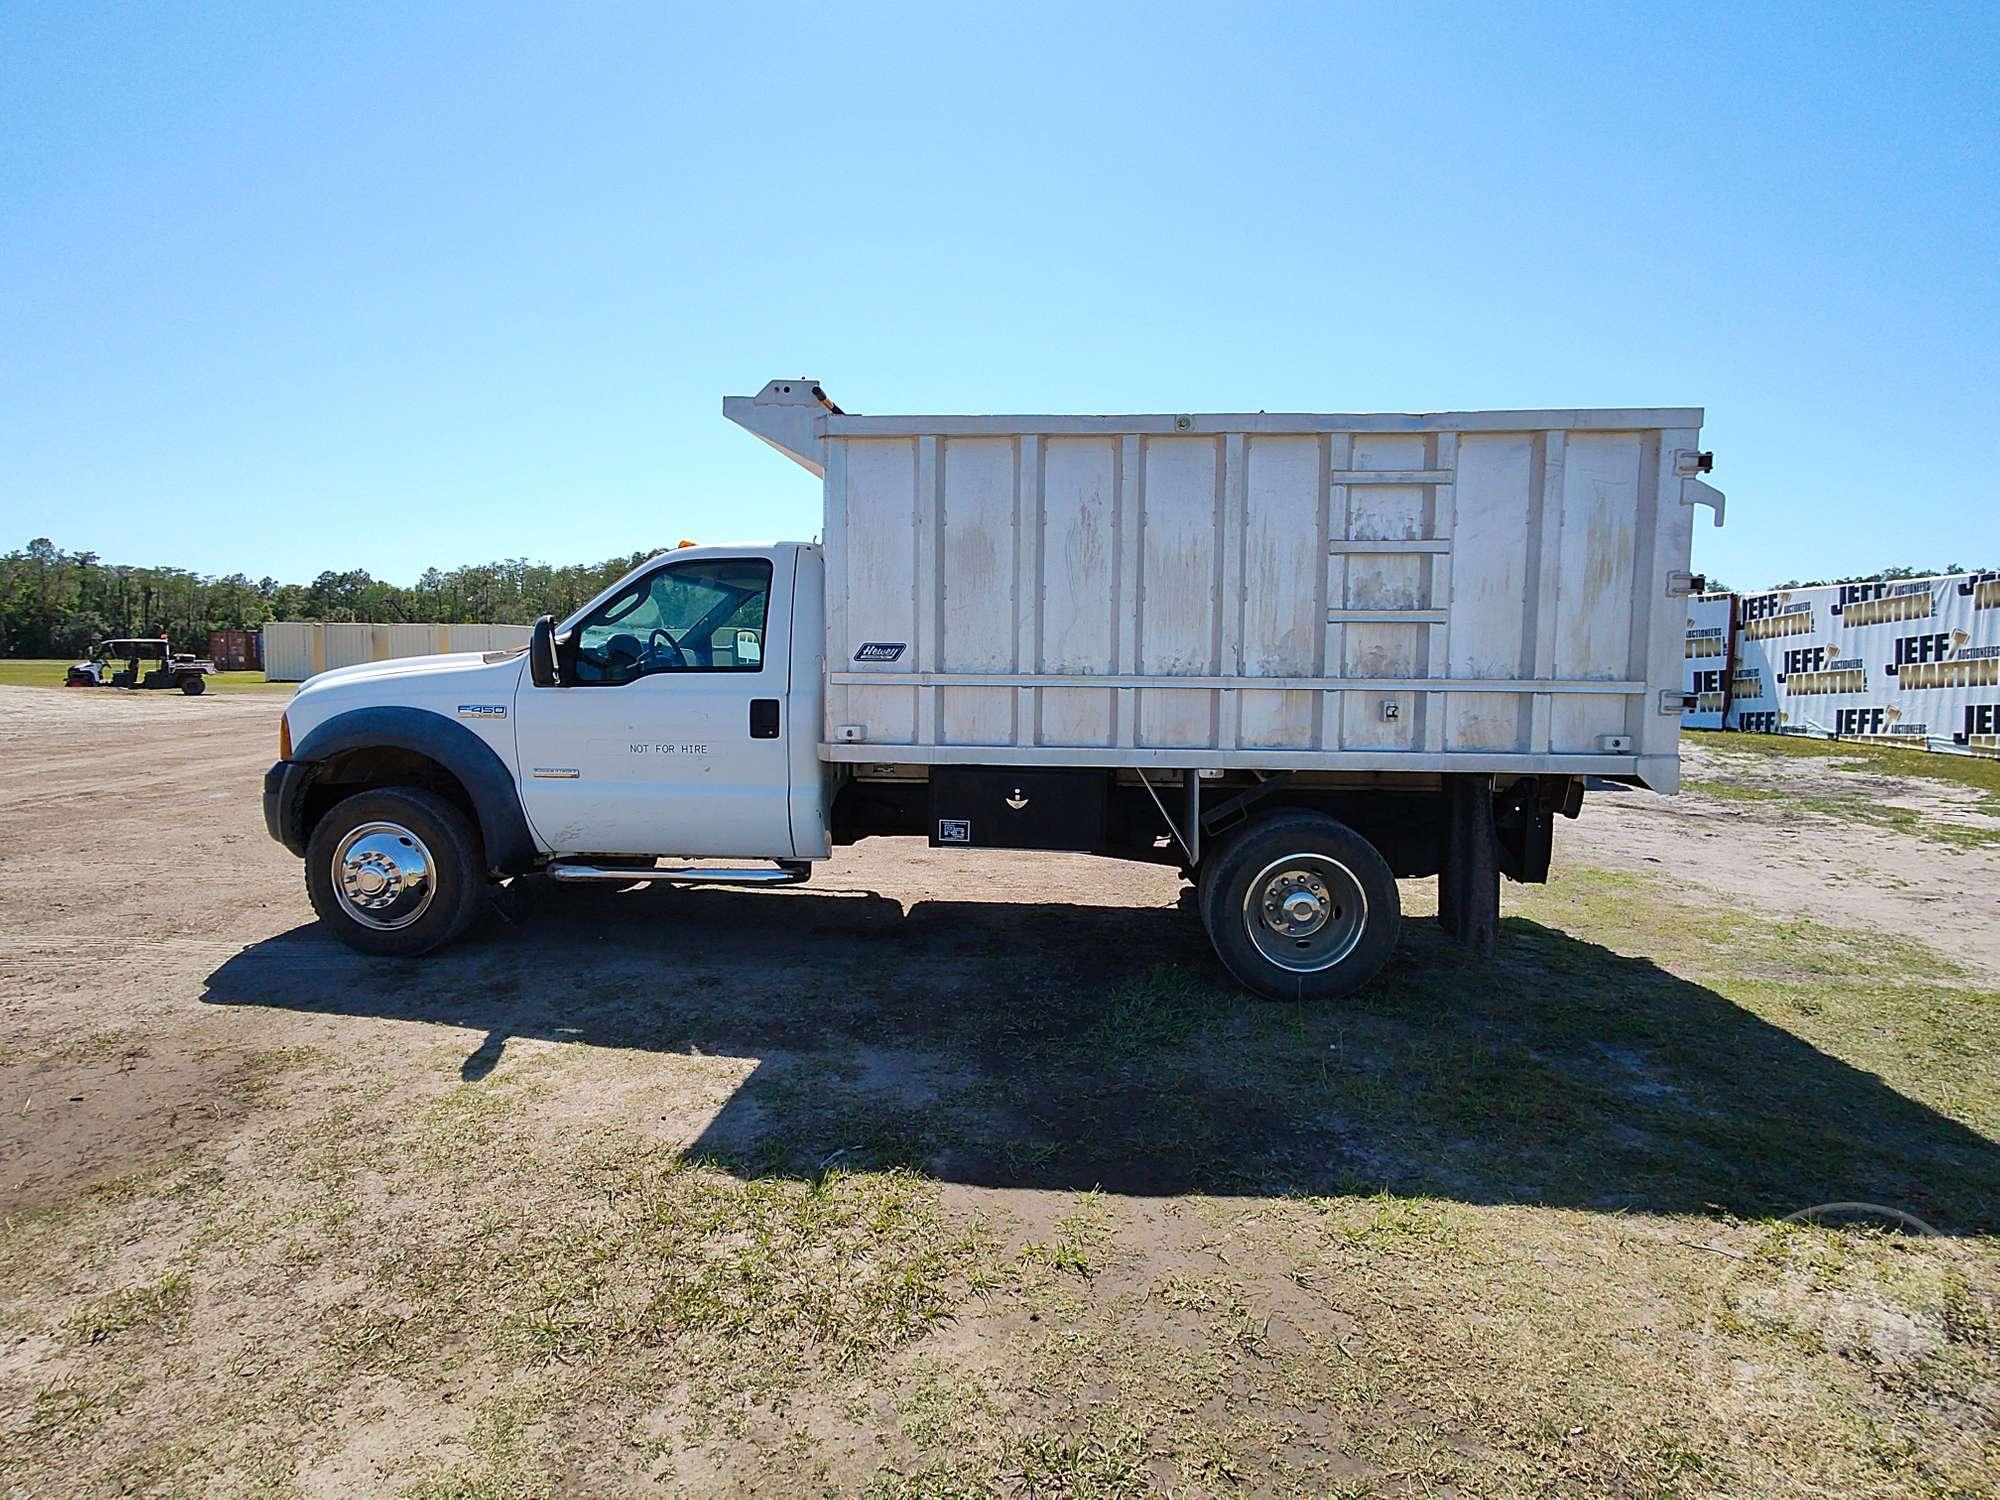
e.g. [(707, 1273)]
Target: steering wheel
[(660, 638)]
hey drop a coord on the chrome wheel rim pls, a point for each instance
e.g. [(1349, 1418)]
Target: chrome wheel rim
[(1305, 912), (384, 876)]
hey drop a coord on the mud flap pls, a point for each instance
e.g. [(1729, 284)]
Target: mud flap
[(1524, 822)]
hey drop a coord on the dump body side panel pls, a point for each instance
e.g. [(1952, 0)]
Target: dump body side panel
[(1468, 591)]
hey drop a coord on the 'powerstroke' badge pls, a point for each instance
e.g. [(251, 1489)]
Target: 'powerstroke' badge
[(880, 650)]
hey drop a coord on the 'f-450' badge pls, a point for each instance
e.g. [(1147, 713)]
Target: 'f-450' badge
[(482, 710)]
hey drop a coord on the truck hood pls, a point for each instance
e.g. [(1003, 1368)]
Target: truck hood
[(406, 666), (441, 684)]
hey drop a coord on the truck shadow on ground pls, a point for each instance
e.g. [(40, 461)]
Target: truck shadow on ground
[(1070, 1047)]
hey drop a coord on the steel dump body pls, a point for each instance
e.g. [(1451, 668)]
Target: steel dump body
[(1475, 591)]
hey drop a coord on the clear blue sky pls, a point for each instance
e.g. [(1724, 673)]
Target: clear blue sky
[(333, 287)]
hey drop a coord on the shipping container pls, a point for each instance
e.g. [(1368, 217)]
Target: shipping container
[(295, 650), (235, 650), (288, 650)]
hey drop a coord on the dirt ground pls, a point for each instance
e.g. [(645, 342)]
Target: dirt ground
[(940, 1177), (1805, 852)]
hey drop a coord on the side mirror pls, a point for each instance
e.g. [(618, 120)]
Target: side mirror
[(542, 654)]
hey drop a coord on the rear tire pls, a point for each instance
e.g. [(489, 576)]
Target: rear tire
[(1301, 907), (194, 684), (395, 871)]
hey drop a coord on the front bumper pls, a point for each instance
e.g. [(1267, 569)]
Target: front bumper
[(285, 803)]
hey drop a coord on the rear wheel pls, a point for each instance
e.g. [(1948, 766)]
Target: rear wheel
[(194, 684), (395, 871), (1301, 907)]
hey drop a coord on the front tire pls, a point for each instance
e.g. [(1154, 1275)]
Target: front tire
[(1301, 907), (395, 871), (194, 684)]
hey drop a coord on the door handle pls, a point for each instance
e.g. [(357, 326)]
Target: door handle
[(763, 718)]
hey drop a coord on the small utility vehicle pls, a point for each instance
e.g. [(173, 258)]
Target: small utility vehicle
[(169, 669)]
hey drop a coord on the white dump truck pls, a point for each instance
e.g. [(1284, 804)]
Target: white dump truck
[(1297, 656)]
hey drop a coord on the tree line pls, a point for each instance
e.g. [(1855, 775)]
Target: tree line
[(57, 603), (1887, 575)]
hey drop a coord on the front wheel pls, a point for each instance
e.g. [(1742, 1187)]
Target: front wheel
[(194, 684), (1301, 907), (395, 871)]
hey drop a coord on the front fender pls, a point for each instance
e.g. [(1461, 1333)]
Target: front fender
[(510, 847)]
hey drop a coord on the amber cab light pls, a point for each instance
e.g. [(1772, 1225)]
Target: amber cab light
[(284, 736)]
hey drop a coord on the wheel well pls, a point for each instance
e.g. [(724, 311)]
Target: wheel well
[(1406, 827), (351, 771)]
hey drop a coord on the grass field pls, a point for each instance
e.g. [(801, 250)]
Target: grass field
[(1981, 773), (1951, 801), (1484, 1233), (38, 672), (912, 1184)]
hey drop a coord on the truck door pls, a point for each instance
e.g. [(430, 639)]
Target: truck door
[(669, 734)]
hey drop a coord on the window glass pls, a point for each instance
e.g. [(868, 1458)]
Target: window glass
[(705, 616)]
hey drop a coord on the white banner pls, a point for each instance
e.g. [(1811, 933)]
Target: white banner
[(1707, 677), (1915, 660)]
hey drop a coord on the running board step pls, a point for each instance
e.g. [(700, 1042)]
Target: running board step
[(786, 874)]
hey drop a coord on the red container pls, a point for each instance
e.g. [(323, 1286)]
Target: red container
[(236, 650)]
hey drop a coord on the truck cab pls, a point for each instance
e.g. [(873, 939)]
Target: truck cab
[(675, 714), (680, 713)]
